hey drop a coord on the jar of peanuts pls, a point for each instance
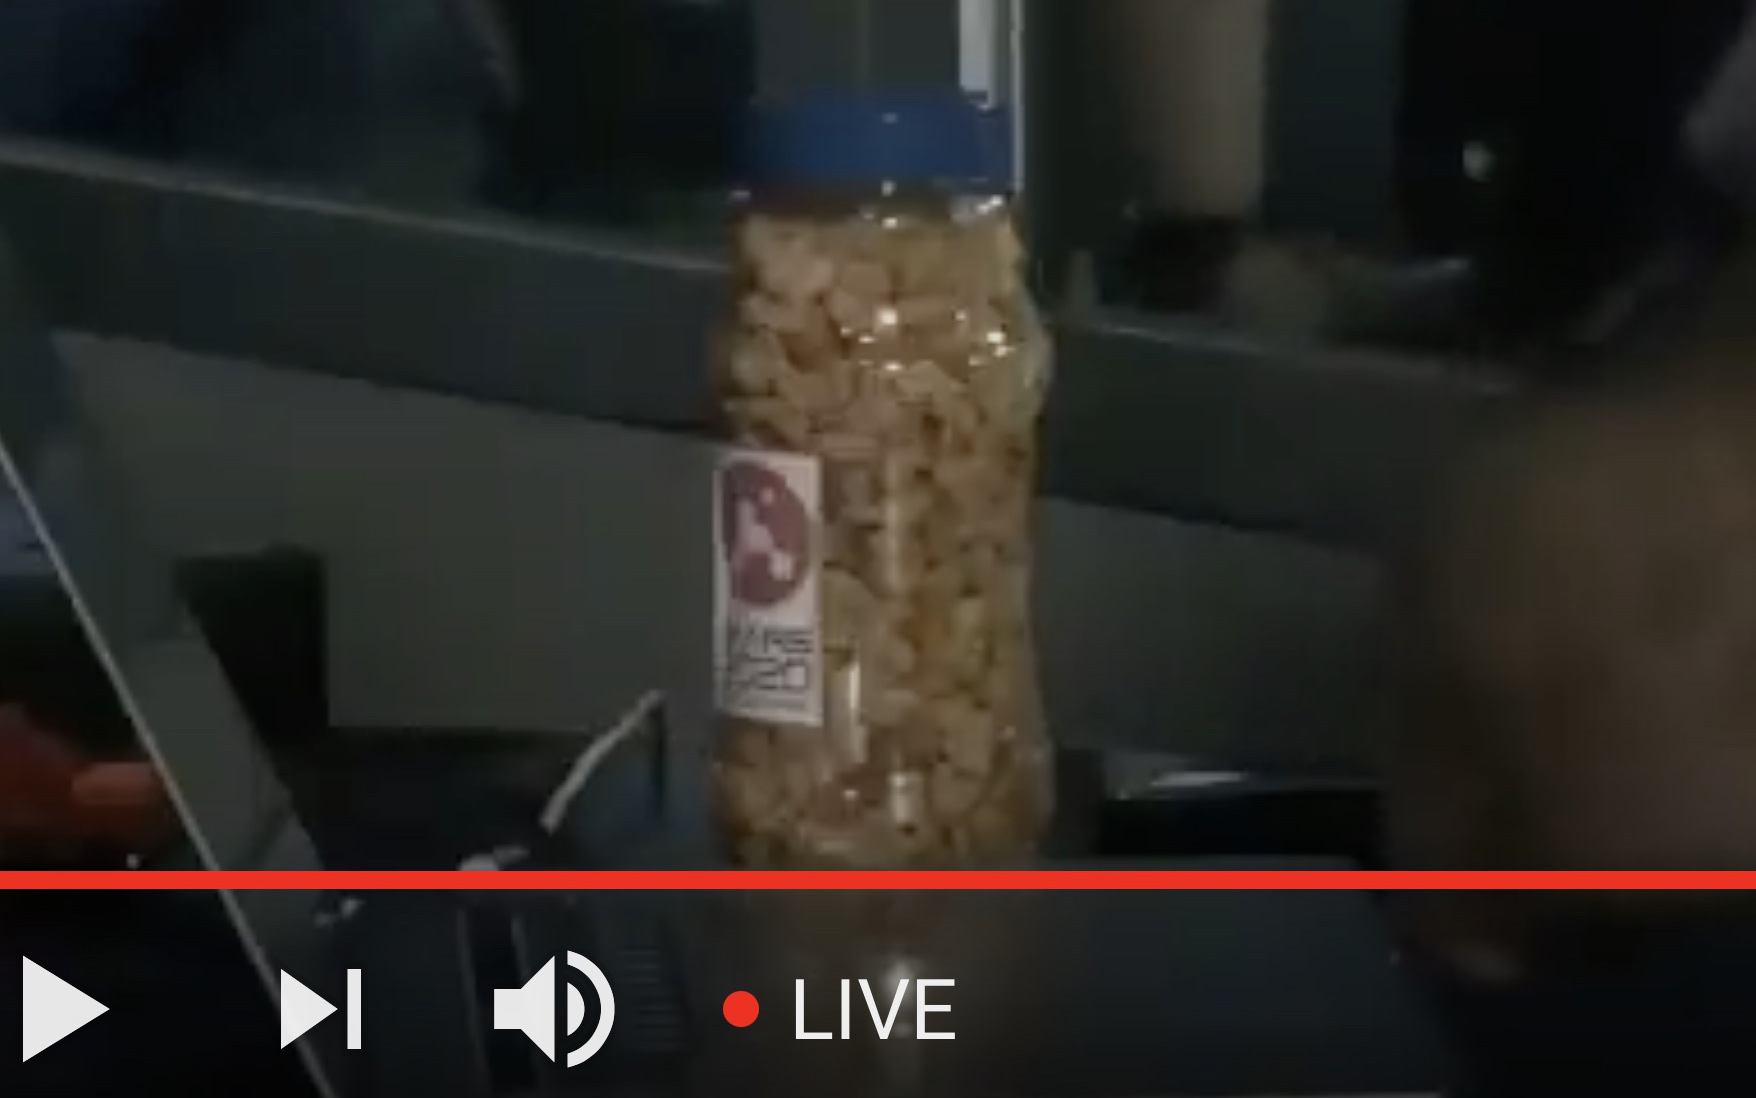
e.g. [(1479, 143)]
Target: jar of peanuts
[(880, 379)]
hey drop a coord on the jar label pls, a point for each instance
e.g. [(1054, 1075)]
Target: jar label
[(767, 643)]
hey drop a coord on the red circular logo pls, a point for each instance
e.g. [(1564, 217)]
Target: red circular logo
[(765, 534)]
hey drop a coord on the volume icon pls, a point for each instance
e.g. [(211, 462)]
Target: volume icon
[(531, 1009)]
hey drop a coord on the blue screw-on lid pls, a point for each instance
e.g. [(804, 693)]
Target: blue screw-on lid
[(864, 137)]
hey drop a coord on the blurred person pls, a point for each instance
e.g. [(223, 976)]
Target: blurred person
[(58, 805), (1578, 641), (101, 69)]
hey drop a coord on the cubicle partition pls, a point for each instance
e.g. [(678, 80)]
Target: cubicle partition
[(494, 432)]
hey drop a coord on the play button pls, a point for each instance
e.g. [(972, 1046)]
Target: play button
[(300, 1009), (53, 1008)]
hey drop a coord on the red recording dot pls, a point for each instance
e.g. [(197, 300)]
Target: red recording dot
[(741, 1008)]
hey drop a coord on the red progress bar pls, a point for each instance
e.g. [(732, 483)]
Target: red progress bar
[(1027, 880)]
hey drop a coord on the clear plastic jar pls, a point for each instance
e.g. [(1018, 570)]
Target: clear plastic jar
[(880, 381)]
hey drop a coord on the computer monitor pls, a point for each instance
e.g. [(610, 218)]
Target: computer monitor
[(122, 588)]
